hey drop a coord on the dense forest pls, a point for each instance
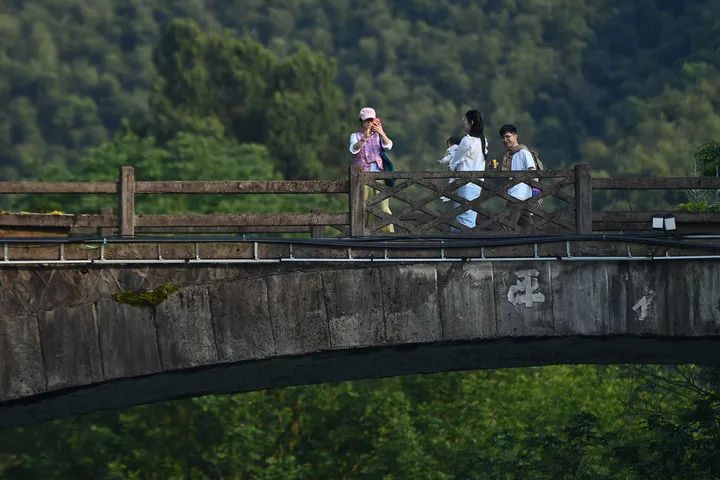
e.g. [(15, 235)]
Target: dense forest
[(562, 422), (625, 86), (194, 89)]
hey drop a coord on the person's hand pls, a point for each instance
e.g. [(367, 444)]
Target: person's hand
[(361, 141), (377, 127)]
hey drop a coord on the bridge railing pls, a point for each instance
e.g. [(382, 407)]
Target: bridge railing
[(127, 222), (427, 203), (640, 220), (420, 203)]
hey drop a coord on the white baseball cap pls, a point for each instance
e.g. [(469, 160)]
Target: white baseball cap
[(366, 113)]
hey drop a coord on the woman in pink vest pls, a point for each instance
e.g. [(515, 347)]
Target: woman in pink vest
[(365, 146)]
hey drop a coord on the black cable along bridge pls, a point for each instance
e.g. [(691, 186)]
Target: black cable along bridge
[(239, 249)]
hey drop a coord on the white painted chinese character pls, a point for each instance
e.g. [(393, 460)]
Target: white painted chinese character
[(524, 289), (643, 305)]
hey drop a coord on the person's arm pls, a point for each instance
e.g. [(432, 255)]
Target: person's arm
[(462, 154), (528, 160), (356, 143), (384, 139), (445, 160)]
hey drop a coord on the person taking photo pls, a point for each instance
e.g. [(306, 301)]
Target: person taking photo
[(366, 146)]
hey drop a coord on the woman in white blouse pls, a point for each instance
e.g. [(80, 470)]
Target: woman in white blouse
[(470, 156)]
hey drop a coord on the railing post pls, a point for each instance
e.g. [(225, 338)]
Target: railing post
[(127, 201), (105, 212), (583, 198), (316, 231), (357, 202)]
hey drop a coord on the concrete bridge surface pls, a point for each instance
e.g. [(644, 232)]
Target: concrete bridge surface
[(68, 347)]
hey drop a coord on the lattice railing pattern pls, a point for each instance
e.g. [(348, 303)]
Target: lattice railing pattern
[(427, 203)]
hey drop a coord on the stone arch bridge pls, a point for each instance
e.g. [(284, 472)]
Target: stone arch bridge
[(86, 326)]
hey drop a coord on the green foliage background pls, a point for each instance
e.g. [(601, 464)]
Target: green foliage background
[(627, 86), (562, 422), (251, 89)]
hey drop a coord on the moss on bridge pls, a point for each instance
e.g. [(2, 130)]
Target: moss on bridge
[(147, 298)]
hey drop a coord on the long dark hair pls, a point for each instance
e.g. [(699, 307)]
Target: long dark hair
[(477, 127)]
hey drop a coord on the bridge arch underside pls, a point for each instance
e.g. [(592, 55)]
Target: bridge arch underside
[(67, 347)]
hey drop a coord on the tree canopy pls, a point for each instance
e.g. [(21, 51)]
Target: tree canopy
[(626, 86), (562, 422)]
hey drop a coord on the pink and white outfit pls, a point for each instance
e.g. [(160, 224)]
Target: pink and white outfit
[(368, 156)]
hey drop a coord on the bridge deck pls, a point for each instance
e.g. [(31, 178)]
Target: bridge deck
[(80, 338)]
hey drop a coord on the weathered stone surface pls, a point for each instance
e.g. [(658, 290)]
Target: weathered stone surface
[(18, 290), (581, 299), (273, 251), (509, 251), (227, 274), (297, 310), (128, 339), (29, 252), (307, 251), (119, 251), (177, 250), (131, 279), (693, 299), (355, 307), (190, 275), (21, 367), (411, 304), (241, 317), (523, 298), (417, 318), (94, 283), (81, 252), (226, 250), (58, 290), (185, 330), (69, 341), (467, 301)]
